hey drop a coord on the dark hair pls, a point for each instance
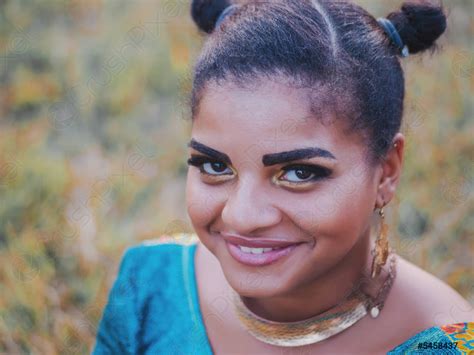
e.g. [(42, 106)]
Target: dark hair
[(334, 47)]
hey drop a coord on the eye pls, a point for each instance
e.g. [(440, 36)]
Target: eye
[(207, 165), (304, 173)]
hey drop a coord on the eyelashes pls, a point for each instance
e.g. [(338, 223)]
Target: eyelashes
[(199, 162), (298, 174), (301, 171)]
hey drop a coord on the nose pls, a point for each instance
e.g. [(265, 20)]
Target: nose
[(249, 208)]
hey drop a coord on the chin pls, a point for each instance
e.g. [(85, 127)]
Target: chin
[(250, 286)]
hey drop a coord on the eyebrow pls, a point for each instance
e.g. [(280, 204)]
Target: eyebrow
[(267, 159), (297, 154), (209, 151)]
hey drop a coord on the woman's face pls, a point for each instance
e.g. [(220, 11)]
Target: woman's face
[(326, 204)]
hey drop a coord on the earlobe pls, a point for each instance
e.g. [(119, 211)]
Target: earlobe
[(380, 201), (391, 172)]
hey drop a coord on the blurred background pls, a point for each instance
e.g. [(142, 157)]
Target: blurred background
[(94, 121)]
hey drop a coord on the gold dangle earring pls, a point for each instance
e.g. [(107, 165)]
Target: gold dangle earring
[(381, 246)]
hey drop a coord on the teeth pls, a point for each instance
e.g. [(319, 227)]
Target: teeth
[(255, 250)]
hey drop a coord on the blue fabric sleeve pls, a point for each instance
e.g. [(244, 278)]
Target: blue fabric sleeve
[(153, 305), (456, 338), (118, 325)]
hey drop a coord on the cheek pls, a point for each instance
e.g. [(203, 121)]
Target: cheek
[(336, 214), (197, 200), (202, 201)]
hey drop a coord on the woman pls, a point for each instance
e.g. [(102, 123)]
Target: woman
[(295, 146)]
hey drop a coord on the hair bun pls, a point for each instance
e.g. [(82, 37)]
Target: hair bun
[(206, 12), (419, 24)]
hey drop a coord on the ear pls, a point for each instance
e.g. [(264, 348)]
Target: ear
[(391, 171)]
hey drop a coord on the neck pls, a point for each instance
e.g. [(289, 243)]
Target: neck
[(322, 293)]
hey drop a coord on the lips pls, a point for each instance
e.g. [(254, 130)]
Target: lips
[(260, 259), (256, 242)]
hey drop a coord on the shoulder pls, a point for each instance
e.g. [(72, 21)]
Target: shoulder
[(418, 304), (155, 258), (428, 300), (151, 250), (161, 245), (456, 336), (151, 274)]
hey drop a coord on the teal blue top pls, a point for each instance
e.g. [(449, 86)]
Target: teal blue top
[(153, 308), (153, 305)]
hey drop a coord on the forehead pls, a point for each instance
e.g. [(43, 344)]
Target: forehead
[(270, 114)]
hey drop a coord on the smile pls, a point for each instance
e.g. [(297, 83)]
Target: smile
[(258, 256), (256, 250)]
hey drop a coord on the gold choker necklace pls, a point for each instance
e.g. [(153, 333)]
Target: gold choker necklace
[(320, 327)]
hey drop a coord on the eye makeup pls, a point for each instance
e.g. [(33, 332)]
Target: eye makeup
[(318, 172), (200, 161), (307, 173), (311, 175)]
